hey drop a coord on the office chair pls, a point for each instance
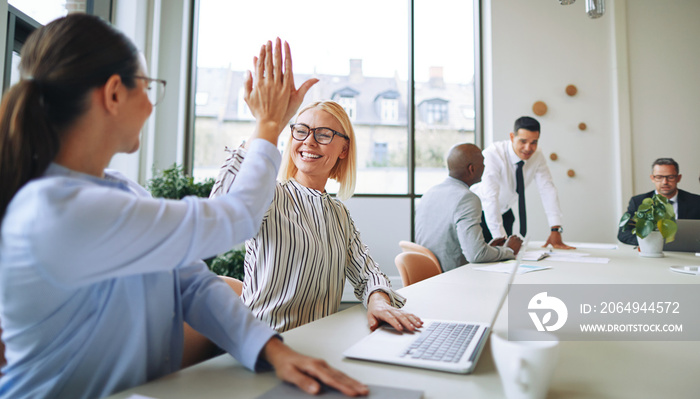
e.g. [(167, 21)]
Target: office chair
[(408, 246), (414, 267), (199, 348)]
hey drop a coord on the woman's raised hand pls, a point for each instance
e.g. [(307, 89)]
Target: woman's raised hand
[(271, 95)]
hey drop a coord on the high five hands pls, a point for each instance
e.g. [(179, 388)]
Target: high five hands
[(270, 91)]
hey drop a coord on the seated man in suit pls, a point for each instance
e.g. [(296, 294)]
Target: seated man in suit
[(665, 175), (448, 218)]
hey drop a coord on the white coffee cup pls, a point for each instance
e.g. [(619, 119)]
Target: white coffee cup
[(525, 366)]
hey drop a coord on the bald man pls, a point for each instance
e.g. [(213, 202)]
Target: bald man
[(448, 218)]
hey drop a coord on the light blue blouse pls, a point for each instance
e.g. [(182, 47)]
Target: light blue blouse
[(97, 277)]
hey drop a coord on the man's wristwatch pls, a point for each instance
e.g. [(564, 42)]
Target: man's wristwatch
[(557, 229)]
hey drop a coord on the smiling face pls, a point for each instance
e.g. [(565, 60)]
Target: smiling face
[(524, 143), (314, 161)]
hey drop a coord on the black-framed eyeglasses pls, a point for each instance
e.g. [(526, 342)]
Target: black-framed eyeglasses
[(156, 89), (667, 177), (322, 135)]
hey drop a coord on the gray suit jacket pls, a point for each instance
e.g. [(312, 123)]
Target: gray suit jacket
[(448, 223)]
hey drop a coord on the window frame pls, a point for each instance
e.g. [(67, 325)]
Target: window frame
[(21, 25), (411, 111)]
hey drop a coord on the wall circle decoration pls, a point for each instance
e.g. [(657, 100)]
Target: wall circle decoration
[(539, 108), (571, 90), (571, 173), (582, 126), (553, 156)]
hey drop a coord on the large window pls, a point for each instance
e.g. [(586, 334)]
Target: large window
[(361, 52)]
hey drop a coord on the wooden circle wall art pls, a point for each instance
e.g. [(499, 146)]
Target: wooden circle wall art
[(571, 90), (582, 126), (539, 108)]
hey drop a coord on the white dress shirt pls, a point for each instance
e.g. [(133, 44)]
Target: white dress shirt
[(497, 187), (296, 266)]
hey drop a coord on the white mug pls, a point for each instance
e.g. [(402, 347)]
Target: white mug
[(525, 367)]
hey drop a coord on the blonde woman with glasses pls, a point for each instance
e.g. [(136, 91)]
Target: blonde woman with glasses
[(296, 265)]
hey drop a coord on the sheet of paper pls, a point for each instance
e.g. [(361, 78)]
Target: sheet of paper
[(506, 267), (534, 256), (580, 245), (578, 259)]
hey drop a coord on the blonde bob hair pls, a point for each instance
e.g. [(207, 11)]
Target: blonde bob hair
[(345, 170)]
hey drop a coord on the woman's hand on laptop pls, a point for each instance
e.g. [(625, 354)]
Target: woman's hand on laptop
[(308, 373), (379, 310)]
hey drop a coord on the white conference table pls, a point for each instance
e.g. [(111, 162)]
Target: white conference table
[(586, 369)]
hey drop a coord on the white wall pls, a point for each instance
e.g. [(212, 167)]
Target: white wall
[(538, 48), (665, 87), (636, 70), (382, 223)]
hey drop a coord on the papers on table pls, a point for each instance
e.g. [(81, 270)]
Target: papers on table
[(535, 255), (686, 269), (506, 267), (580, 245), (567, 256), (562, 256)]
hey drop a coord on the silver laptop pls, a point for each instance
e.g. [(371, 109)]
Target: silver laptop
[(444, 345), (687, 237)]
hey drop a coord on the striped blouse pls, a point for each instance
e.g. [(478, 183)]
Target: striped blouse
[(295, 267)]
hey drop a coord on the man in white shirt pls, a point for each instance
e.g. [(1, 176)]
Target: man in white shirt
[(510, 167)]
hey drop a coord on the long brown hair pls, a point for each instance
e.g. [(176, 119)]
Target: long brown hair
[(61, 63)]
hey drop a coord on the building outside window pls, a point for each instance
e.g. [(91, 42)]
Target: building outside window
[(390, 109), (365, 70), (349, 104)]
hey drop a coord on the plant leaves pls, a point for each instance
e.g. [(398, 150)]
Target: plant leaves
[(644, 227), (668, 229), (625, 218), (670, 212), (644, 206)]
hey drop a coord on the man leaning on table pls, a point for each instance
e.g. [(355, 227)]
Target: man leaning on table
[(510, 166), (449, 215), (665, 175)]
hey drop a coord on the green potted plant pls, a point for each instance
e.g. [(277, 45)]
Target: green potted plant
[(654, 223), (173, 183)]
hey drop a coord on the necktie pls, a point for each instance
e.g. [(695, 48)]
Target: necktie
[(520, 189)]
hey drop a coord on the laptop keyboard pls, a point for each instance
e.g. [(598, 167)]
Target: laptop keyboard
[(442, 341)]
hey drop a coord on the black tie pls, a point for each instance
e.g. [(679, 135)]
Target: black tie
[(520, 189)]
